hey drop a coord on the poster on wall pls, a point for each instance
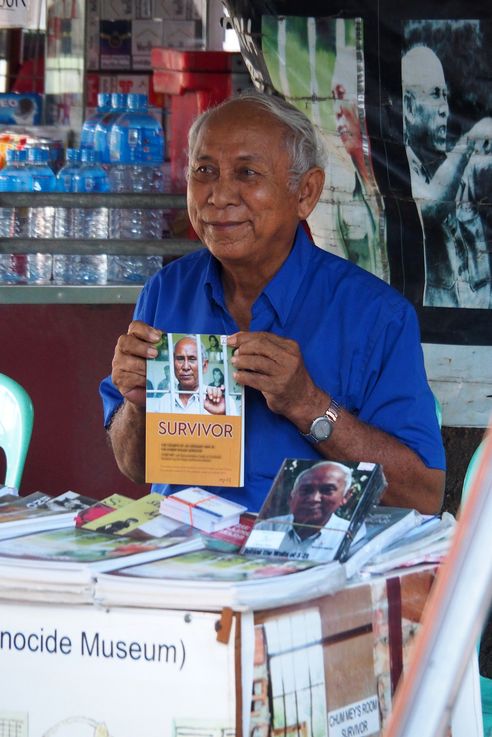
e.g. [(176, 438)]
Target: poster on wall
[(402, 98)]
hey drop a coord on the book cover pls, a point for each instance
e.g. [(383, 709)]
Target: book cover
[(194, 413), (106, 505), (315, 509), (140, 519), (208, 565), (83, 548), (231, 539)]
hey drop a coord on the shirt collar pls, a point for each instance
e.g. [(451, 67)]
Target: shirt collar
[(281, 290)]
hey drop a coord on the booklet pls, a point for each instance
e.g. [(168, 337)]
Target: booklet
[(194, 413), (140, 519), (316, 509), (106, 505)]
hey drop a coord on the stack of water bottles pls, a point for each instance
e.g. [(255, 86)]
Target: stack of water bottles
[(83, 174), (130, 145), (122, 150), (27, 171)]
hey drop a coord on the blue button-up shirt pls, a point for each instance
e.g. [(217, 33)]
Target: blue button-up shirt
[(359, 339)]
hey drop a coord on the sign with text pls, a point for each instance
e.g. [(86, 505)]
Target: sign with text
[(23, 14), (113, 672)]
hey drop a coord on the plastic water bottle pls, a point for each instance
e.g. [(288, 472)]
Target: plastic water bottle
[(137, 157), (65, 183), (88, 132), (9, 182), (12, 219), (86, 176), (104, 125), (40, 219)]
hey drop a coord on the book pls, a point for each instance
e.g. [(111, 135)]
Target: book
[(194, 413), (230, 539), (210, 580), (383, 527), (140, 519), (201, 509), (427, 543), (315, 509), (40, 511), (71, 549), (108, 504)]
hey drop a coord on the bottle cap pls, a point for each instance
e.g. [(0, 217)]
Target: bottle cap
[(88, 155), (104, 100)]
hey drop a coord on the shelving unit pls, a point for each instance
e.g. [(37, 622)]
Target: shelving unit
[(87, 294)]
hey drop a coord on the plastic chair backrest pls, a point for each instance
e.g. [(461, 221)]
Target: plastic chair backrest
[(438, 410), (471, 471), (16, 419)]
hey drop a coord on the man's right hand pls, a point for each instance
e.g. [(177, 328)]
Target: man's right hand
[(129, 360)]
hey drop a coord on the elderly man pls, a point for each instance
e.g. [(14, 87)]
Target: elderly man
[(187, 399), (329, 354), (311, 529), (447, 187)]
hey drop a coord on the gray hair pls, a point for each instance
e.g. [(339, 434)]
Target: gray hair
[(346, 470), (302, 141)]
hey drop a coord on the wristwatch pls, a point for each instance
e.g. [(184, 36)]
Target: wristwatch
[(322, 427)]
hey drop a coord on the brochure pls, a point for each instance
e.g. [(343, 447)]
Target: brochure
[(194, 413), (315, 509)]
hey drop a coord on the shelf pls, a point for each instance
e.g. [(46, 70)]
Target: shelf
[(84, 294), (145, 200), (91, 246)]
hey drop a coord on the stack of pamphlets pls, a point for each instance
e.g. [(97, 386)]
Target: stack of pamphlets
[(61, 564), (201, 509), (39, 511), (384, 526), (426, 543), (208, 580)]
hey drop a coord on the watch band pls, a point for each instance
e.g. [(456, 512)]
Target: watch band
[(332, 411), (322, 427)]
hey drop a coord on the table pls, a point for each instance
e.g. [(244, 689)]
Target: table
[(327, 667)]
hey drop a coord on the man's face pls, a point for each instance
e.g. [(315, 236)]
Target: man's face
[(239, 201), (318, 495), (186, 364), (347, 119), (427, 125)]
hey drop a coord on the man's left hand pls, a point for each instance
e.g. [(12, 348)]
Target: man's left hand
[(275, 367)]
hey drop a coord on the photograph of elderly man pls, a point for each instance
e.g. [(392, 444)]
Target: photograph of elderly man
[(310, 528), (450, 180)]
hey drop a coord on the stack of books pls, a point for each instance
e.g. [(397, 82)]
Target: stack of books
[(201, 509)]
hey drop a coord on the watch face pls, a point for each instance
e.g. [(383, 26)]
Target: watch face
[(321, 429)]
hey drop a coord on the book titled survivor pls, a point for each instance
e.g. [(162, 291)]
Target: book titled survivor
[(315, 510), (194, 413)]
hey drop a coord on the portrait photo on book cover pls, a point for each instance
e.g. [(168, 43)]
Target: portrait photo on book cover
[(313, 508), (192, 374)]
